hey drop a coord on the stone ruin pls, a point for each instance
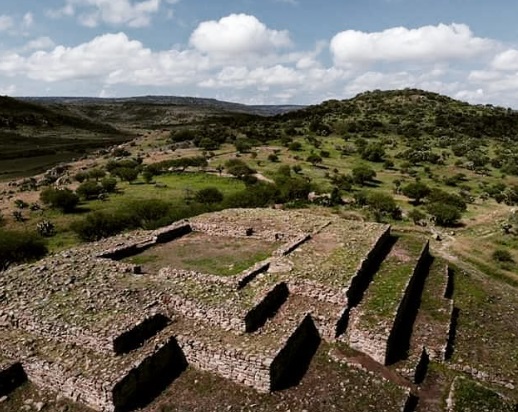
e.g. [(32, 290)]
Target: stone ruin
[(108, 333)]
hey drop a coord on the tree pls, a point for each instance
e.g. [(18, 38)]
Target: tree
[(126, 173), (62, 199), (208, 195), (363, 175), (373, 152), (238, 168), (313, 158), (382, 204), (416, 191), (444, 214), (89, 190), (416, 216), (109, 184), (272, 157), (96, 174), (295, 146)]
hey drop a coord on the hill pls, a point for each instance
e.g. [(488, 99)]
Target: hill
[(33, 137)]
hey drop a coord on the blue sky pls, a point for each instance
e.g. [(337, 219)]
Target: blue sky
[(259, 51)]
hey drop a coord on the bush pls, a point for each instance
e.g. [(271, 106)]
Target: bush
[(208, 195), (148, 213), (363, 175), (382, 204), (295, 146), (502, 256), (416, 216), (89, 190), (61, 199), (444, 214), (238, 168), (109, 184), (18, 247), (99, 225), (416, 191)]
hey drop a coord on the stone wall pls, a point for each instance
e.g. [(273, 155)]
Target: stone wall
[(267, 307), (398, 341), (315, 290), (138, 334), (365, 271), (231, 363)]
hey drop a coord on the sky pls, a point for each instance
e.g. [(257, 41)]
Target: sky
[(260, 51)]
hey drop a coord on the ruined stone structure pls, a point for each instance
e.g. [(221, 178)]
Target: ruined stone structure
[(111, 334)]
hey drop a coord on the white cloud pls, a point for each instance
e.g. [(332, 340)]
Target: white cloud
[(28, 20), (238, 34), (7, 90), (91, 13), (399, 44), (6, 22), (41, 43), (506, 60)]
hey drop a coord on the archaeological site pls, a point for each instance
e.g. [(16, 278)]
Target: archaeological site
[(245, 294)]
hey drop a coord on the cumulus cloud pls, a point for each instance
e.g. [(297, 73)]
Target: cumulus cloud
[(40, 43), (91, 13), (6, 22), (238, 34), (506, 60), (400, 44), (28, 20)]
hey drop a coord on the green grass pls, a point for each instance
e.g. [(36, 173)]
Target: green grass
[(388, 286), (473, 397)]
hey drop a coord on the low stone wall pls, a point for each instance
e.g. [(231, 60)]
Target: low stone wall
[(386, 344), (231, 363), (292, 360), (245, 277), (318, 291), (267, 307), (138, 334), (452, 332), (195, 310), (365, 271), (291, 246), (398, 341)]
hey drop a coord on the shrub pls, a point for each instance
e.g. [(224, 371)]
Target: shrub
[(416, 215), (416, 191), (363, 175), (444, 214), (208, 195), (99, 225), (18, 247), (502, 256), (126, 173), (295, 146), (148, 213), (96, 174), (382, 204), (62, 199), (109, 184), (20, 204), (89, 190), (272, 157), (238, 168)]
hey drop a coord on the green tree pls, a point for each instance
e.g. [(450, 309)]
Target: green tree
[(109, 184), (416, 191), (238, 168), (373, 152), (127, 174), (444, 214), (96, 174), (89, 190), (314, 159), (61, 199), (363, 175)]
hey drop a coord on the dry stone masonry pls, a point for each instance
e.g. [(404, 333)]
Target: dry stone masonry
[(99, 330)]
